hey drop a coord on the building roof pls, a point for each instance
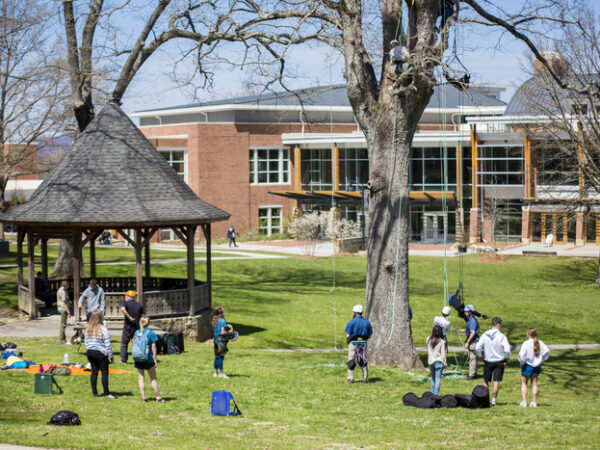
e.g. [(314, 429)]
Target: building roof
[(335, 96), (113, 176)]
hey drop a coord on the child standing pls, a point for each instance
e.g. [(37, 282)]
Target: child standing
[(533, 353), (436, 349), (221, 331)]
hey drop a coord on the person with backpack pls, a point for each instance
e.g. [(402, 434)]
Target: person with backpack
[(436, 351), (221, 332), (99, 351), (531, 356), (496, 349), (143, 352), (358, 330), (132, 311)]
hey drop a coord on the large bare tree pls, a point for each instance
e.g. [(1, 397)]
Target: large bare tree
[(388, 107), (33, 88)]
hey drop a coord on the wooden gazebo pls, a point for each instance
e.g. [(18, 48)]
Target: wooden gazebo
[(113, 178)]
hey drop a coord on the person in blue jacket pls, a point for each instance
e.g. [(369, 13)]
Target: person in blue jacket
[(221, 331), (471, 331), (358, 330)]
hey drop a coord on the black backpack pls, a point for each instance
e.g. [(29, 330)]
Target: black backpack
[(65, 418), (448, 401), (482, 394), (410, 399)]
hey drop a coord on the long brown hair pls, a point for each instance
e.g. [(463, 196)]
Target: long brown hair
[(95, 323), (532, 334), (217, 314), (437, 334)]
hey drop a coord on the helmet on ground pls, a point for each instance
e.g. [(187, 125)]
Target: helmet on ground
[(357, 309), (130, 293), (446, 310), (469, 308)]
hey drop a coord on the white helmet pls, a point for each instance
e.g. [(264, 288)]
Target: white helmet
[(357, 309), (446, 310)]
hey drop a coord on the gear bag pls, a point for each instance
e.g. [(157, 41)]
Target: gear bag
[(66, 418), (482, 394), (410, 399), (221, 404), (448, 401)]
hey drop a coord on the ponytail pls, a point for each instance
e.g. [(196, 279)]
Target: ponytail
[(143, 322), (532, 334)]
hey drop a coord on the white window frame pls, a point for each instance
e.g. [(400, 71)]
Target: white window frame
[(185, 158), (270, 208), (280, 159)]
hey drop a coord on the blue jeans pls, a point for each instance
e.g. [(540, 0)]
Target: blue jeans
[(436, 376)]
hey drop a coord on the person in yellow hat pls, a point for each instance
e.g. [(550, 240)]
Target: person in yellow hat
[(132, 311)]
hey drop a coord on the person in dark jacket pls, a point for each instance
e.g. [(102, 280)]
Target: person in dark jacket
[(132, 311), (358, 331), (231, 235)]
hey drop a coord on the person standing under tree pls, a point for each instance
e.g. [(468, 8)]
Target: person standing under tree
[(496, 349), (231, 235), (472, 333), (436, 357), (62, 304), (357, 331), (150, 364), (221, 330), (132, 311), (531, 356)]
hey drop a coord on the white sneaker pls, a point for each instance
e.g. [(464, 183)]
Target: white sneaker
[(523, 405), (222, 375), (216, 375), (533, 405)]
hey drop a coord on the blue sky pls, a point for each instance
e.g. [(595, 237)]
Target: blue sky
[(492, 58)]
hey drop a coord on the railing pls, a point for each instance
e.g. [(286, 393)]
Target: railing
[(167, 297), (25, 303)]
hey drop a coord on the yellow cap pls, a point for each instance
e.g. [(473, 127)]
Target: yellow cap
[(130, 293)]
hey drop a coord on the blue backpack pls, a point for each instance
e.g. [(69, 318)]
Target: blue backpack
[(221, 404), (140, 350)]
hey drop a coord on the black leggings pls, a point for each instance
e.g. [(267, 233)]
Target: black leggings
[(99, 361)]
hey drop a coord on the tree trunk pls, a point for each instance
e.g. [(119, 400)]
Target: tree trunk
[(387, 292), (63, 269)]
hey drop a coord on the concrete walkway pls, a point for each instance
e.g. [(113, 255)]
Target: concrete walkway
[(424, 349)]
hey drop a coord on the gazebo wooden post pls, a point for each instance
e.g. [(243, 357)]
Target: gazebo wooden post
[(191, 267), (92, 255), (139, 280), (76, 243), (45, 259), (207, 237), (31, 273), (20, 237), (147, 275)]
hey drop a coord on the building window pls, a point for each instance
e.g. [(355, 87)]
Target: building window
[(354, 169), (500, 165), (427, 168), (177, 159), (269, 166), (269, 220), (316, 170)]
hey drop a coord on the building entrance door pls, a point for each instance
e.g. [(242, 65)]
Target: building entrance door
[(433, 226)]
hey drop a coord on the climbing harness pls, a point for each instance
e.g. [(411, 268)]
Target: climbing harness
[(360, 353)]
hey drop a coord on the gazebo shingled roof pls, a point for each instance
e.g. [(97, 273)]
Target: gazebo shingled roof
[(113, 176)]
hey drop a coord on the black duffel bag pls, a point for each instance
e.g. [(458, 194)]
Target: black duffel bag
[(467, 401), (436, 398), (427, 402), (410, 399), (482, 394), (66, 418), (448, 401)]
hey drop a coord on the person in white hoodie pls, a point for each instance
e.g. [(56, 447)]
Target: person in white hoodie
[(443, 321), (531, 356), (496, 348)]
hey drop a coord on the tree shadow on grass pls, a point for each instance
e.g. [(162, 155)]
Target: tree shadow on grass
[(246, 330), (573, 368)]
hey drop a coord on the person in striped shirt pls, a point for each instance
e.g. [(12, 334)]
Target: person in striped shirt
[(99, 351)]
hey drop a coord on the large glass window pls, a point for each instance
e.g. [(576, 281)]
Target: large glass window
[(556, 168), (269, 220), (269, 166), (177, 160), (427, 168), (354, 168), (316, 170), (500, 165)]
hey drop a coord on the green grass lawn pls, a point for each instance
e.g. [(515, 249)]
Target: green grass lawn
[(292, 400)]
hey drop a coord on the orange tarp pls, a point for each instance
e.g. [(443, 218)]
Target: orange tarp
[(74, 370)]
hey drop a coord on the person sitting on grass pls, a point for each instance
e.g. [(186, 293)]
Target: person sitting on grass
[(358, 329), (496, 349), (436, 350), (221, 331), (99, 351), (150, 364), (531, 356)]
